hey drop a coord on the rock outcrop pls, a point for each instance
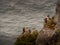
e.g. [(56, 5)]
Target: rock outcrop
[(58, 14), (46, 37), (49, 36)]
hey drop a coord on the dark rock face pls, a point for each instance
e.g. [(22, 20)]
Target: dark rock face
[(46, 38), (58, 14)]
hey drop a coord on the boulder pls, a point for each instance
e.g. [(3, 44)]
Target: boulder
[(47, 37)]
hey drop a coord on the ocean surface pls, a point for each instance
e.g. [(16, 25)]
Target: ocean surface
[(16, 14)]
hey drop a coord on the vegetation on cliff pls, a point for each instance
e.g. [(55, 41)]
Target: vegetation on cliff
[(27, 39)]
